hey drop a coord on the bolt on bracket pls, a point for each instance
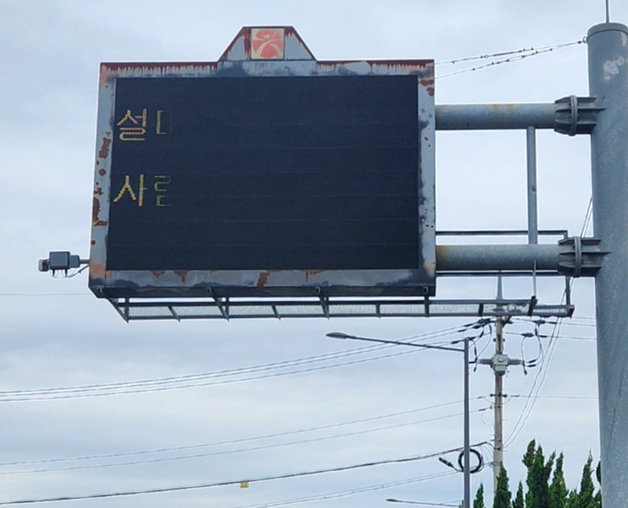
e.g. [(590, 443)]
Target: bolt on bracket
[(579, 256), (576, 115)]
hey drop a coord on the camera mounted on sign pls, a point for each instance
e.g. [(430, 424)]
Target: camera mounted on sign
[(62, 261)]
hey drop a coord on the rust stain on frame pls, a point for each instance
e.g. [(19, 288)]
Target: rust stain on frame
[(97, 270), (96, 221), (428, 84), (312, 273), (103, 153), (182, 274), (263, 279)]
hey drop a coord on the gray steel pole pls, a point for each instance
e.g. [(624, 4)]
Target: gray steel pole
[(608, 80), (467, 441), (533, 226)]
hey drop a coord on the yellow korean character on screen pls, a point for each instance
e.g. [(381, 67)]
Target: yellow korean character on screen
[(160, 186), (132, 126), (127, 191)]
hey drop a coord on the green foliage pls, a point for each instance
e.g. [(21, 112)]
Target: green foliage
[(502, 492), (558, 488), (538, 476), (541, 493), (519, 499), (478, 502), (586, 496)]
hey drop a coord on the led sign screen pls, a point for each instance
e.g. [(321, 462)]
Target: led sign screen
[(276, 177), (304, 173)]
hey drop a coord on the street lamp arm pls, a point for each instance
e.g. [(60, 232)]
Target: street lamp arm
[(341, 335), (467, 446)]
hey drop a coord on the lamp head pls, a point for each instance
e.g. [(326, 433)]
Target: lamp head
[(338, 335)]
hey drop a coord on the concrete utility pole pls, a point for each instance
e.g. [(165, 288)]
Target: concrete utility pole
[(608, 81), (499, 363), (498, 443)]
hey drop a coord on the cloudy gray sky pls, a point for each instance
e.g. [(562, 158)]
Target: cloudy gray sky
[(193, 403)]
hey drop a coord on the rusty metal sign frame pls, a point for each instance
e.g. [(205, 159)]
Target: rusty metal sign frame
[(228, 308), (250, 55), (325, 307)]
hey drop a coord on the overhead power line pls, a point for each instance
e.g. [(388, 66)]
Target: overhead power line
[(350, 492), (239, 450), (284, 476), (233, 441), (250, 373), (559, 397), (540, 377)]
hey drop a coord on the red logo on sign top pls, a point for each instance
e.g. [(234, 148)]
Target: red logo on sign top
[(267, 43)]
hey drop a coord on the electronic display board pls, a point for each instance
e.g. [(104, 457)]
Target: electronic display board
[(261, 182)]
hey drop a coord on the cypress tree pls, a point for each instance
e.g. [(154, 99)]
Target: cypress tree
[(478, 502), (585, 497), (528, 456), (502, 492), (538, 476), (558, 489), (519, 502), (598, 476)]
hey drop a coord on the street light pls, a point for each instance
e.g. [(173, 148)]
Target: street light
[(422, 503), (465, 351)]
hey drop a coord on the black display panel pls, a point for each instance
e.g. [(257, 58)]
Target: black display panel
[(265, 173)]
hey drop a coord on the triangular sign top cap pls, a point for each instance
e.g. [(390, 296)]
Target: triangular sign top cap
[(267, 43)]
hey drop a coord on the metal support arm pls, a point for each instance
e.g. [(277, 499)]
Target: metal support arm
[(569, 115), (572, 256)]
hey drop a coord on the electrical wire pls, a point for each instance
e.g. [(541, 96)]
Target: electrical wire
[(541, 352), (513, 56), (583, 325), (572, 337), (587, 218), (234, 441), (181, 488), (351, 492), (564, 337), (572, 321), (565, 324), (229, 452), (80, 393), (544, 367), (214, 378), (489, 341), (69, 276), (560, 397), (45, 294), (488, 56), (534, 390), (423, 503)]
